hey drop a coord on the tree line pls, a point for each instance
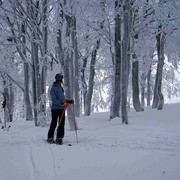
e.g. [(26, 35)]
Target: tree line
[(113, 47)]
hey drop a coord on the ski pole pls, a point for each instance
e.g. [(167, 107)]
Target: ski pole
[(62, 115), (75, 123)]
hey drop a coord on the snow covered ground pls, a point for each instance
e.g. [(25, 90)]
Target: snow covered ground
[(146, 149)]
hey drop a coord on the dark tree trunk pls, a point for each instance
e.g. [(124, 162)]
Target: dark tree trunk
[(117, 65), (125, 60), (91, 79), (76, 67), (29, 115), (143, 85), (83, 81), (135, 86), (158, 100), (149, 87)]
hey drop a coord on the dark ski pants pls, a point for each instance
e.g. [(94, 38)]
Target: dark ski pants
[(56, 116)]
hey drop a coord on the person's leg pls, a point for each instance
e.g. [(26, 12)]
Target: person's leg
[(60, 130), (54, 114)]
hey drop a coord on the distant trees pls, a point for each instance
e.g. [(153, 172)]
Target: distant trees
[(112, 48), (29, 34)]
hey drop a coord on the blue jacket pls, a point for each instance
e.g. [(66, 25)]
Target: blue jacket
[(57, 96)]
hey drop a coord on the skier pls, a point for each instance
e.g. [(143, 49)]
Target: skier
[(57, 108)]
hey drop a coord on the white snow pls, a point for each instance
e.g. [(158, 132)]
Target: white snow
[(146, 149)]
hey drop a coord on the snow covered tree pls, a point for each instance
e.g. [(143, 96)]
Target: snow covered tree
[(106, 41), (22, 53), (158, 100), (30, 36), (92, 64), (65, 35)]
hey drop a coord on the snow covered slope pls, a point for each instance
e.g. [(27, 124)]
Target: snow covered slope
[(146, 149)]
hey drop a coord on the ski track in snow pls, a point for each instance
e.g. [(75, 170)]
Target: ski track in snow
[(35, 170), (54, 163), (158, 135)]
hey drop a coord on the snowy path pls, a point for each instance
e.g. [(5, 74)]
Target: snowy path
[(147, 149)]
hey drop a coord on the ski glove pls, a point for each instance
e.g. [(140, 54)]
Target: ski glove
[(64, 104), (70, 101)]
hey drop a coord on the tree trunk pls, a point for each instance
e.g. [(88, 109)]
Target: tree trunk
[(35, 64), (135, 86), (149, 87), (83, 81), (44, 59), (68, 94), (149, 91), (92, 67), (71, 75), (64, 60), (143, 81), (158, 99), (37, 82), (6, 103), (76, 67), (66, 68), (117, 65), (35, 75), (125, 59), (44, 52), (11, 102), (63, 55), (91, 79), (29, 115), (160, 94)]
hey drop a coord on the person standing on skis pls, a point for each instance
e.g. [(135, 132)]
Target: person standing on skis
[(58, 104)]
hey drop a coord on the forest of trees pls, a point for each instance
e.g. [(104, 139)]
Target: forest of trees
[(113, 54)]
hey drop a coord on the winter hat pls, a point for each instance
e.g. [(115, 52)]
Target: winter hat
[(59, 77)]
